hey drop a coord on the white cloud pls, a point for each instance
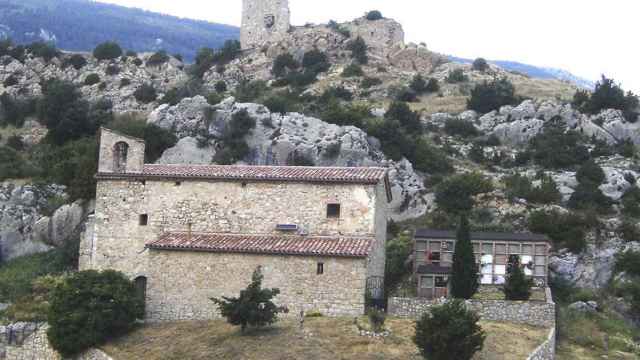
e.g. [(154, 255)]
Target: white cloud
[(586, 37)]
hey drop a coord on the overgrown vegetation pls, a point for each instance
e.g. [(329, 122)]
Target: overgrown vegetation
[(608, 95), (567, 230), (235, 147), (145, 94), (521, 187), (555, 148), (491, 95), (107, 51), (90, 307), (374, 15), (455, 194), (358, 48), (464, 271), (207, 57), (517, 286)]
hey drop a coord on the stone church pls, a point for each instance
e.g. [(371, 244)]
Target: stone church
[(187, 233)]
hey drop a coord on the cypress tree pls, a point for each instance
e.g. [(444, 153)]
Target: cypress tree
[(517, 286), (464, 277)]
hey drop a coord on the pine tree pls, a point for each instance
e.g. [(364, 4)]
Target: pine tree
[(517, 286), (464, 277), (254, 306)]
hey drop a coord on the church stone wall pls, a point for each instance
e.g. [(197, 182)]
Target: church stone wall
[(180, 284), (264, 21)]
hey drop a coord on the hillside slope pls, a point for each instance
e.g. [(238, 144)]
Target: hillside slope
[(78, 25)]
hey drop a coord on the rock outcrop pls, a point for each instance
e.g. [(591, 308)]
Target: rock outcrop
[(281, 139)]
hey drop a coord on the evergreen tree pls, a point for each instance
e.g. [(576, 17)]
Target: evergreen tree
[(254, 306), (517, 286), (464, 275)]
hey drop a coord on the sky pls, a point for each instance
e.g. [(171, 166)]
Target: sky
[(585, 37)]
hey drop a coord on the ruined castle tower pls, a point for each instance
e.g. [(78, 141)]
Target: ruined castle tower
[(263, 21)]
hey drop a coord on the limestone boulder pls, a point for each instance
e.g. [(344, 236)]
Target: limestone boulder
[(186, 119)]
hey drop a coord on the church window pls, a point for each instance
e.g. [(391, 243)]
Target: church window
[(320, 269), (120, 152), (333, 211), (144, 220)]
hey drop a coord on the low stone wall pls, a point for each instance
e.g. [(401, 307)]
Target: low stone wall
[(536, 313), (546, 351), (28, 341)]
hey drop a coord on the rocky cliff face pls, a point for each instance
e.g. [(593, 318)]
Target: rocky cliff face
[(278, 139)]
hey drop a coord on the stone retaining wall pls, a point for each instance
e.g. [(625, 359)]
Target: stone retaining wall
[(546, 351), (28, 341), (536, 313)]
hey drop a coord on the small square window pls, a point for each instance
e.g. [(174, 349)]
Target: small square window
[(320, 269), (178, 183), (333, 211), (144, 220)]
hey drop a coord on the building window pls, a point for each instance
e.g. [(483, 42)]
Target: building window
[(320, 269), (120, 152), (144, 220), (178, 183), (441, 282), (333, 211), (141, 287)]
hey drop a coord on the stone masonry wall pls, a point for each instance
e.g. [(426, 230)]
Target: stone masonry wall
[(135, 155), (546, 351), (180, 284), (263, 21), (535, 313)]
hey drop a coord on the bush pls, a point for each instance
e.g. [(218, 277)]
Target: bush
[(17, 275), (250, 91), (430, 159), (10, 81), (43, 50), (10, 163), (589, 196), (519, 186), (455, 194), (492, 95), (315, 61), (207, 58), (449, 331), (567, 230), (628, 262), (90, 307), (608, 95), (145, 94), (631, 202), (554, 148), (220, 86), (374, 15), (464, 270), (64, 113), (406, 95), (345, 115), (629, 231), (235, 148), (517, 286), (480, 64), (369, 82), (254, 306), (137, 61), (377, 318), (456, 76), (283, 64), (338, 92), (353, 70), (590, 172), (107, 51), (278, 104), (157, 59), (459, 127), (92, 79), (14, 111), (396, 268), (358, 48)]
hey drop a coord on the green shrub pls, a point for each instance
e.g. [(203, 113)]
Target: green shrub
[(254, 306), (107, 51), (519, 186), (406, 95), (449, 331), (315, 61), (396, 268), (462, 128), (145, 94), (421, 86), (90, 307), (278, 104), (10, 81), (590, 172), (554, 148), (566, 230), (374, 15), (283, 64), (250, 91), (589, 196), (63, 111), (629, 231), (353, 70), (14, 111), (631, 202), (456, 76), (235, 148), (377, 319), (455, 194), (430, 159), (337, 92), (492, 95), (43, 50), (608, 95), (10, 163), (517, 286), (17, 275), (369, 82), (480, 64), (358, 48), (158, 59), (207, 57), (220, 86), (92, 79), (345, 115)]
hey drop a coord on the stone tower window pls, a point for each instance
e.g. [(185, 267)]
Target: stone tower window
[(120, 152), (269, 21), (320, 269), (141, 286), (333, 211), (144, 220)]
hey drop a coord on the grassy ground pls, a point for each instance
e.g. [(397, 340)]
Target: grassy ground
[(496, 293), (325, 338)]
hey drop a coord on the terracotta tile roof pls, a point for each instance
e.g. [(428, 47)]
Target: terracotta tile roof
[(360, 175), (265, 244)]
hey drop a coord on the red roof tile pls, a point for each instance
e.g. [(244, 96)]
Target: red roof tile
[(360, 175), (264, 244)]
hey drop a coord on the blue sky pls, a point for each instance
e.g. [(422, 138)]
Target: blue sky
[(588, 37)]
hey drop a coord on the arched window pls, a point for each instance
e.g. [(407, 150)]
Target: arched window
[(120, 151), (141, 286)]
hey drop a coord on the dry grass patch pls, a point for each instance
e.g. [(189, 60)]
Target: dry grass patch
[(324, 339)]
